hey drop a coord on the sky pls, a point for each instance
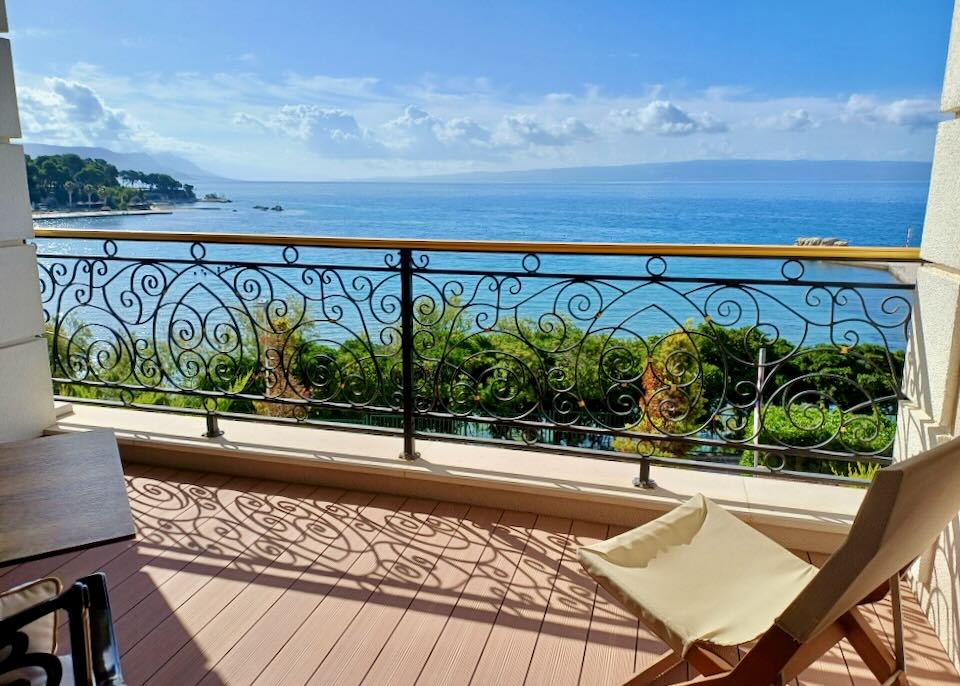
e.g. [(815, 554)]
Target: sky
[(311, 90)]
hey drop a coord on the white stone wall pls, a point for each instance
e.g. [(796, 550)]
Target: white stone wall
[(932, 377), (26, 400)]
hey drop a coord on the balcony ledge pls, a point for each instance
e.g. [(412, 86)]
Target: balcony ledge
[(799, 515)]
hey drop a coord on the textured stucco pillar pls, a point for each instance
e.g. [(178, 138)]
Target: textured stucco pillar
[(932, 377), (26, 400)]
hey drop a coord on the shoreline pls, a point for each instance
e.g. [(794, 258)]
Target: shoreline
[(98, 213)]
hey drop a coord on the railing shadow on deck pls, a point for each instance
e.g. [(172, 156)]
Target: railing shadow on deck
[(309, 535), (329, 544)]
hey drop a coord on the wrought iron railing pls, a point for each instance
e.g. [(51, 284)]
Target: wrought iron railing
[(749, 359)]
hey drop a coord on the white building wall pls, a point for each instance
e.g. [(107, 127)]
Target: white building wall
[(26, 400), (932, 377)]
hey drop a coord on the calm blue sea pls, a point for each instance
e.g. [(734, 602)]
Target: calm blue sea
[(882, 214), (863, 213)]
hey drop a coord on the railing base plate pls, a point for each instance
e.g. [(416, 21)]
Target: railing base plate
[(644, 483)]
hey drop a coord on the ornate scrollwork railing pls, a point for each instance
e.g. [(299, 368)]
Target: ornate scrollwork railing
[(752, 359)]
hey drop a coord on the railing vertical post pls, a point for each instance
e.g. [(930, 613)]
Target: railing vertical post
[(213, 426), (758, 404), (643, 480), (406, 353)]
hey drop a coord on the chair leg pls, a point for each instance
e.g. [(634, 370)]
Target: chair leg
[(872, 649), (665, 662), (707, 662), (899, 655)]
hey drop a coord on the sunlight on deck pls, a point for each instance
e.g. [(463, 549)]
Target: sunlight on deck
[(235, 581)]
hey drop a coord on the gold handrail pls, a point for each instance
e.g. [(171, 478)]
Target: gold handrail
[(811, 252)]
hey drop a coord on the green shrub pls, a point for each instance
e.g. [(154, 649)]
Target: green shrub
[(811, 426)]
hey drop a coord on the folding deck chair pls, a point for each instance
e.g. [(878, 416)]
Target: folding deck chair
[(702, 580)]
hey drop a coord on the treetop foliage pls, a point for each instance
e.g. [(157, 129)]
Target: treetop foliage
[(68, 179)]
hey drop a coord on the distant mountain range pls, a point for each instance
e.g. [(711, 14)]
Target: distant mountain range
[(702, 171), (151, 163), (694, 171)]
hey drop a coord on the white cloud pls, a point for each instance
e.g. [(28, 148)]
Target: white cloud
[(415, 134), (912, 113), (791, 120), (329, 131), (321, 126), (663, 118), (522, 130), (72, 113), (463, 131), (418, 134)]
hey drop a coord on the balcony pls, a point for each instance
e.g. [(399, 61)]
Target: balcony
[(426, 484), (355, 460)]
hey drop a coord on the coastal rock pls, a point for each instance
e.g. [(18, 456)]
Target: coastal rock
[(817, 240)]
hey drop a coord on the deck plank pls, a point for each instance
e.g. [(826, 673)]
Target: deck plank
[(177, 538), (178, 498), (407, 650), (259, 586), (460, 647), (381, 534), (175, 573), (562, 640), (258, 539), (612, 651), (359, 645), (509, 647), (253, 652), (927, 662), (52, 566)]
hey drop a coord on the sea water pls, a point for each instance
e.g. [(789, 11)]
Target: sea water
[(864, 213)]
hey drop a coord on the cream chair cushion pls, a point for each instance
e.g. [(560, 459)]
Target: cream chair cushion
[(41, 634), (699, 575)]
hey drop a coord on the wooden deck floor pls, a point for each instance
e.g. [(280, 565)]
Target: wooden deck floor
[(234, 581)]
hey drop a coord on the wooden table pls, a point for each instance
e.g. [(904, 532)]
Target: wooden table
[(61, 493)]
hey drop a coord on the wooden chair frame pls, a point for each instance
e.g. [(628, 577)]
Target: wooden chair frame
[(777, 657)]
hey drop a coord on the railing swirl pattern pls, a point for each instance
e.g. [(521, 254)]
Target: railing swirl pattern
[(757, 365)]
